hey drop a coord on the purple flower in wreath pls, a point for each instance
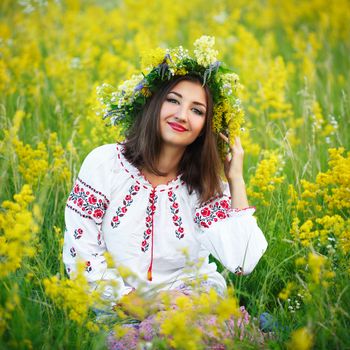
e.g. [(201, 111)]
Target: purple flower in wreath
[(139, 86)]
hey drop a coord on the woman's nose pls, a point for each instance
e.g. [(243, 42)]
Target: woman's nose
[(182, 114)]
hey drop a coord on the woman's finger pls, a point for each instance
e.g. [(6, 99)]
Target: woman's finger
[(224, 137), (239, 145), (237, 140)]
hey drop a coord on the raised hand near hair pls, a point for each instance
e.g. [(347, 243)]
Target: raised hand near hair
[(233, 165)]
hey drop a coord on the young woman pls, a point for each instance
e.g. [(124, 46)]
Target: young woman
[(148, 199)]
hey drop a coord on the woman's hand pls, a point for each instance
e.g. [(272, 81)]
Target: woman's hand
[(233, 165)]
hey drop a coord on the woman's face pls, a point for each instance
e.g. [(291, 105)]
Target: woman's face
[(183, 114)]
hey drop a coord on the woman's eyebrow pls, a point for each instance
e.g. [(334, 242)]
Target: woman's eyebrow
[(194, 102)]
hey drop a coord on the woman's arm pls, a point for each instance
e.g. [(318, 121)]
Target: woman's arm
[(239, 198), (84, 213), (227, 227), (234, 173)]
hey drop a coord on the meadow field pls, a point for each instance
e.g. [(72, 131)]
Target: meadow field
[(293, 60)]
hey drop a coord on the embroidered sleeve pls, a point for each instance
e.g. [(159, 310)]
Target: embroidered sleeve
[(231, 235), (83, 238)]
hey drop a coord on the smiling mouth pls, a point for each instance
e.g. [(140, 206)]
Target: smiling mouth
[(177, 127)]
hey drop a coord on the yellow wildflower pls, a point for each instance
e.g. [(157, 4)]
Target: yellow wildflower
[(286, 292), (120, 331), (292, 194), (316, 263), (18, 230), (145, 91), (59, 167), (265, 179), (317, 270), (180, 330), (152, 58), (227, 308), (271, 96), (181, 71), (72, 294), (331, 187), (247, 142), (9, 305), (33, 163), (302, 339), (136, 305), (337, 178)]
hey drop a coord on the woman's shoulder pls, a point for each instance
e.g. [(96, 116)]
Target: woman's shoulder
[(98, 168), (102, 152), (100, 158)]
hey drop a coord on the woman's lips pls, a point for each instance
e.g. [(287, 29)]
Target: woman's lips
[(177, 127)]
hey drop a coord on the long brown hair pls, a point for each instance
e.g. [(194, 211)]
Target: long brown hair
[(200, 163)]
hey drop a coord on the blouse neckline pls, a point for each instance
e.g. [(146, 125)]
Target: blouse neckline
[(137, 175)]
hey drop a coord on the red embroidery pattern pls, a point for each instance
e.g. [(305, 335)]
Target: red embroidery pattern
[(99, 241), (215, 211), (87, 202), (78, 232), (133, 190), (151, 208), (88, 267), (174, 207)]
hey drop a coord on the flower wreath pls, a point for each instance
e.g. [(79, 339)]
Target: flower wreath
[(122, 105)]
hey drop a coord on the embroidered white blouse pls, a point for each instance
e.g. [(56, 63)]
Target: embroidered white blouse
[(112, 207)]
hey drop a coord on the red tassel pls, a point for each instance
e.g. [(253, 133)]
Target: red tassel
[(149, 273)]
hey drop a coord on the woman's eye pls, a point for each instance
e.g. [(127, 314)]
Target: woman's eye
[(172, 100), (198, 111)]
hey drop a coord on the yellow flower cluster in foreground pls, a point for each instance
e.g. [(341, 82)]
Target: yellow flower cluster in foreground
[(188, 321), (266, 178), (326, 203), (73, 295), (18, 229), (302, 339), (318, 270)]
